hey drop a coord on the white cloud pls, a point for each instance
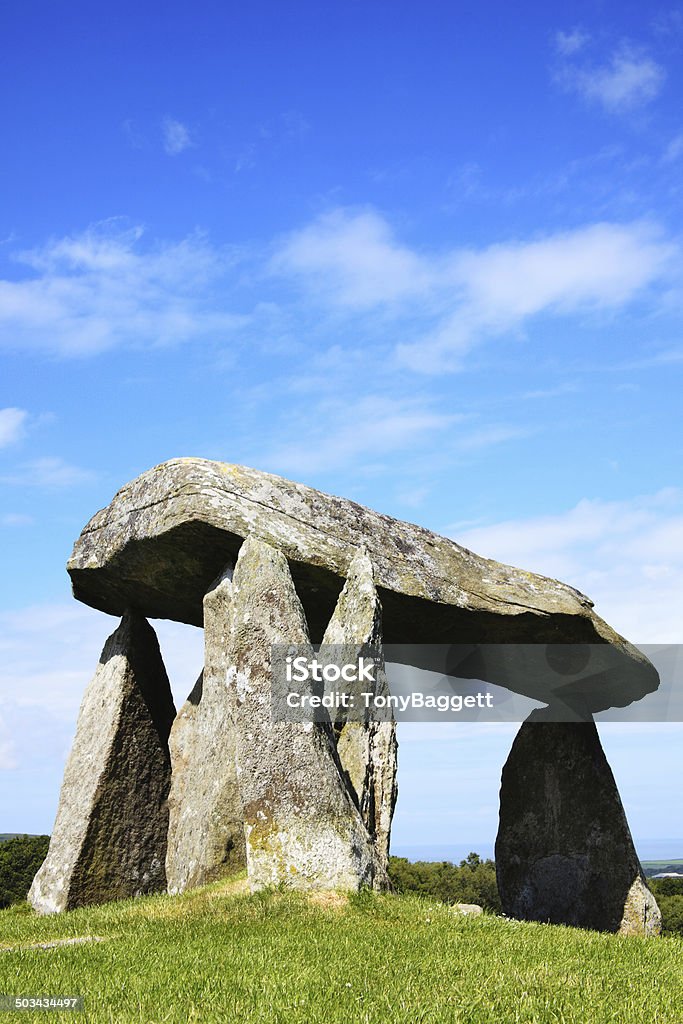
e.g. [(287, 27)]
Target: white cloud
[(48, 654), (346, 433), (568, 43), (626, 555), (176, 136), (105, 288), (48, 472), (629, 80), (674, 150), (599, 265), (12, 425), (497, 289), (87, 293), (15, 519), (352, 261)]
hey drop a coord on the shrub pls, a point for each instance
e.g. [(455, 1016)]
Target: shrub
[(472, 881), (20, 858)]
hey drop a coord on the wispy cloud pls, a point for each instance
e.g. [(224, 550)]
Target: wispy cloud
[(569, 43), (352, 261), (340, 434), (87, 293), (351, 258), (626, 555), (177, 136), (15, 519), (12, 425), (674, 150), (108, 287), (48, 653), (50, 472), (630, 79)]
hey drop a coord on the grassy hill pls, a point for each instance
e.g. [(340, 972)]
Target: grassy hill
[(654, 867), (220, 954)]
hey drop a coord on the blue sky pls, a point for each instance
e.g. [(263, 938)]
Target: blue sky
[(427, 258)]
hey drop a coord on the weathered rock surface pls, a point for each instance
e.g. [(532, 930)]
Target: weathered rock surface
[(109, 838), (167, 535), (301, 824), (206, 831), (564, 852), (368, 751)]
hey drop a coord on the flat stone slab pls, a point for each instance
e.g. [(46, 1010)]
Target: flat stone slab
[(166, 535)]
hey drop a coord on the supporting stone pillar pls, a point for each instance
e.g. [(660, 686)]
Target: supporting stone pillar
[(564, 852), (301, 825), (109, 838), (206, 832), (368, 751)]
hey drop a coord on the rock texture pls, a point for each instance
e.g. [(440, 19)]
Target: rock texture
[(167, 535), (301, 824), (206, 832), (368, 750), (564, 852), (109, 838)]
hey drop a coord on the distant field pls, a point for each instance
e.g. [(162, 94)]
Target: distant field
[(220, 955), (654, 867)]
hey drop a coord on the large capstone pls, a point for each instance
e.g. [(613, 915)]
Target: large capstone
[(564, 852), (367, 750), (302, 826), (206, 832), (109, 838), (168, 534)]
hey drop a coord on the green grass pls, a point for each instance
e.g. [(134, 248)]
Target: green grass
[(222, 955)]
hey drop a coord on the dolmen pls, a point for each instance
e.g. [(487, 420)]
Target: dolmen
[(153, 800)]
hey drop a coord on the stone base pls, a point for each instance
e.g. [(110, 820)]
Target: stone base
[(564, 852), (109, 838)]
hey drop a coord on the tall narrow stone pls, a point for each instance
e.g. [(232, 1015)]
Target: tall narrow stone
[(564, 851), (367, 750), (301, 825), (109, 838), (206, 832)]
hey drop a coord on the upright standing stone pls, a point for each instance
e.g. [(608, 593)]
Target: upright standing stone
[(301, 824), (109, 838), (564, 852), (367, 751), (206, 833)]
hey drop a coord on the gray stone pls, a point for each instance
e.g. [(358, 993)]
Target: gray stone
[(301, 824), (109, 838), (468, 909), (564, 852), (206, 832), (167, 535), (368, 751)]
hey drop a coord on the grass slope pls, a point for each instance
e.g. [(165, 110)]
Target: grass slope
[(220, 954)]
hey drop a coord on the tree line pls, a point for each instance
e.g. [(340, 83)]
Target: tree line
[(20, 858)]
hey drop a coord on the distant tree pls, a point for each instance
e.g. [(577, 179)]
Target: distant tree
[(666, 886), (672, 914), (20, 858), (472, 881)]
